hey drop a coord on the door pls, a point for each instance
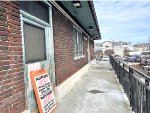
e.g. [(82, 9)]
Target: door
[(37, 52)]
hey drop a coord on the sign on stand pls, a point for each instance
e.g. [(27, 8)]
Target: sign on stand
[(43, 90)]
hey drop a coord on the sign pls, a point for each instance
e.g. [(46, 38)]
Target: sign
[(32, 67), (43, 90)]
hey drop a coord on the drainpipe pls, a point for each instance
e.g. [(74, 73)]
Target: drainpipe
[(88, 51)]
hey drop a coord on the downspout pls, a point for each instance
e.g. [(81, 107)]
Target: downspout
[(89, 51)]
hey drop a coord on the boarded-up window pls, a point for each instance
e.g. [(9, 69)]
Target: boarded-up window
[(34, 40)]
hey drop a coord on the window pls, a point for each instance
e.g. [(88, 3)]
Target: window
[(34, 40), (36, 8), (78, 42)]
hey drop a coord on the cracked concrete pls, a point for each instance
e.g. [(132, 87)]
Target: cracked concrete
[(98, 91)]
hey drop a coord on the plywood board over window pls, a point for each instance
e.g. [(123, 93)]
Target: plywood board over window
[(35, 47)]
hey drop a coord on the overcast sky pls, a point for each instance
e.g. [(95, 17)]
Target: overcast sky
[(124, 20)]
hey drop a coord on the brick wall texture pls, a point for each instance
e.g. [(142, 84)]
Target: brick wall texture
[(12, 88), (63, 48), (91, 45)]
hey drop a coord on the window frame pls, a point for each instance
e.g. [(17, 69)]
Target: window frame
[(77, 45), (45, 54), (32, 20)]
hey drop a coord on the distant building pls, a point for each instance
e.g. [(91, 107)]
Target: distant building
[(142, 47), (98, 46), (109, 45), (122, 48), (118, 48), (129, 47), (104, 46)]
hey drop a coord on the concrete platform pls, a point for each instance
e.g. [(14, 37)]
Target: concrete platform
[(98, 91)]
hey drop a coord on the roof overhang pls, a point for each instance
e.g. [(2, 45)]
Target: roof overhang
[(84, 15)]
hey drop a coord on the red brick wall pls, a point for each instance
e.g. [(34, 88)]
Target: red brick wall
[(91, 42), (63, 48), (12, 91)]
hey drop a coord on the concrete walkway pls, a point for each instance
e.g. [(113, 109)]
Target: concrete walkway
[(98, 91)]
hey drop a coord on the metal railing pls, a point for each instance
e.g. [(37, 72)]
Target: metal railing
[(135, 85)]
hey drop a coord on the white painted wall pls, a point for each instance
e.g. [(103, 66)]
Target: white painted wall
[(119, 50), (107, 45)]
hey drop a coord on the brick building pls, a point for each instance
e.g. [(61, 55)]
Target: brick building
[(58, 36)]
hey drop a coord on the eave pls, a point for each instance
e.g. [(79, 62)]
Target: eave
[(85, 16)]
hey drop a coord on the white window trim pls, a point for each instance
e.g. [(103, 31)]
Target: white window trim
[(28, 18), (79, 57)]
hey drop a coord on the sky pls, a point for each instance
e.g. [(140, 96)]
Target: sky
[(127, 21)]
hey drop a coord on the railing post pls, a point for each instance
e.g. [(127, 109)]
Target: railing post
[(146, 83), (130, 71), (123, 77), (147, 101), (123, 65), (147, 96), (131, 93), (110, 59), (119, 67), (115, 67)]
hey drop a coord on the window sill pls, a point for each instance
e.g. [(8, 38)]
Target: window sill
[(79, 57)]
